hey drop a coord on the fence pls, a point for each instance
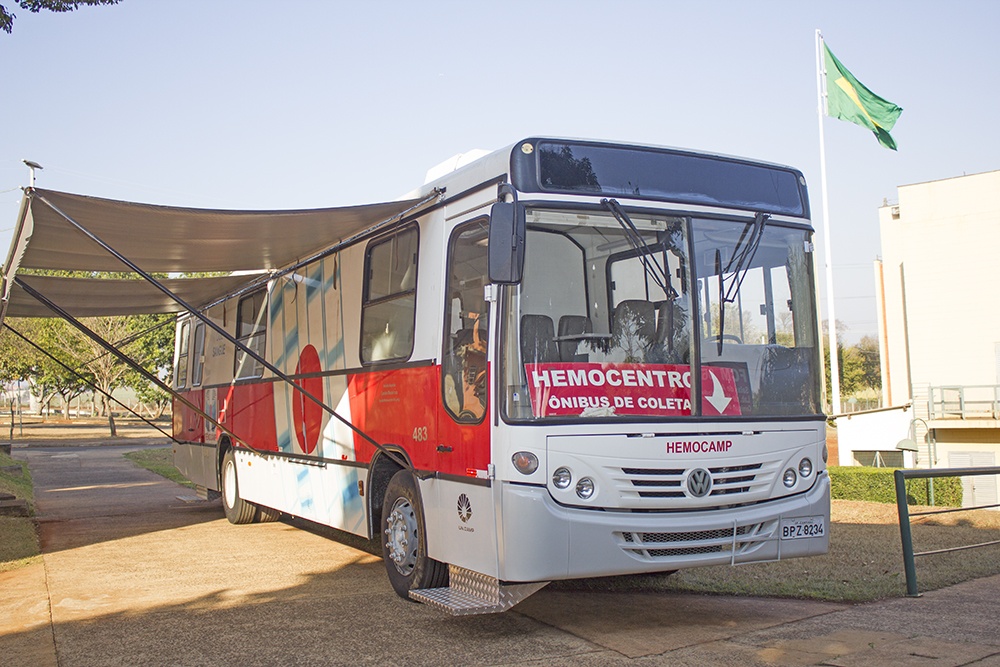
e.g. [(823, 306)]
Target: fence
[(964, 402), (905, 534)]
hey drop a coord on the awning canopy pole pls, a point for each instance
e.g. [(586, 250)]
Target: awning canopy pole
[(217, 329), (55, 308), (84, 378)]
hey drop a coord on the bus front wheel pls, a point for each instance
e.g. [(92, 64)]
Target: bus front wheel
[(404, 540)]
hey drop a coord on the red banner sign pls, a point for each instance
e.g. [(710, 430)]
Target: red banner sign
[(604, 390)]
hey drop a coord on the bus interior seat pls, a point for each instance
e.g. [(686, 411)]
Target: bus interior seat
[(640, 318), (665, 322), (571, 325), (538, 343)]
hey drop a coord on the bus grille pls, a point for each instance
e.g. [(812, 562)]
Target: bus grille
[(729, 483), (668, 546)]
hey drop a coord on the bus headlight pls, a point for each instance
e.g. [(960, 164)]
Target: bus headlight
[(562, 478), (789, 478), (805, 467), (585, 488), (525, 462)]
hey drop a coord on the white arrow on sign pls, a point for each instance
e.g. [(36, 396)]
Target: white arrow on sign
[(718, 399)]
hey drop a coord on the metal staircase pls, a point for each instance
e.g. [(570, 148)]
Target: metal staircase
[(473, 593)]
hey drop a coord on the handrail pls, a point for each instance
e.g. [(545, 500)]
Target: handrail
[(970, 401), (906, 535)]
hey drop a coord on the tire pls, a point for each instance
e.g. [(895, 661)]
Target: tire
[(237, 510), (267, 514), (404, 541)]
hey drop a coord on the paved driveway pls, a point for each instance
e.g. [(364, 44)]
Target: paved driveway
[(134, 576)]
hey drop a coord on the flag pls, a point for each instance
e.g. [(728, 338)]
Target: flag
[(848, 99)]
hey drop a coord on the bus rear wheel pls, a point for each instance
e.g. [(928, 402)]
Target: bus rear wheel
[(404, 539), (237, 510)]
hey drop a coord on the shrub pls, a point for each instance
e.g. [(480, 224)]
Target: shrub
[(877, 485)]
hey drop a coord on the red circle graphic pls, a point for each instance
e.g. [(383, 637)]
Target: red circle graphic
[(307, 416)]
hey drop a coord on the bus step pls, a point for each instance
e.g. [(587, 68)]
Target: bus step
[(474, 593), (205, 493)]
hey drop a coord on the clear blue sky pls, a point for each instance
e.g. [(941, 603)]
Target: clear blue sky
[(298, 104)]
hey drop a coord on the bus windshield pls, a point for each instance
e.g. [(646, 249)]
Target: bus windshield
[(663, 318)]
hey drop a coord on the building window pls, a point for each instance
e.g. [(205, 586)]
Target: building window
[(890, 458), (390, 297)]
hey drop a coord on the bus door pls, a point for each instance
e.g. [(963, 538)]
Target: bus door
[(463, 429)]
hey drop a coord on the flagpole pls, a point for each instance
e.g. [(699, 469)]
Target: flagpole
[(830, 310)]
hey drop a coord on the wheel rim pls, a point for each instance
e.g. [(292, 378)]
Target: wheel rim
[(229, 484), (401, 537)]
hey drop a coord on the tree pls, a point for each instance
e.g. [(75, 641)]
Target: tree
[(35, 6), (156, 347), (871, 362), (58, 374), (138, 336), (860, 366)]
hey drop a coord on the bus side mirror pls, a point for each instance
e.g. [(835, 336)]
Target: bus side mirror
[(506, 243)]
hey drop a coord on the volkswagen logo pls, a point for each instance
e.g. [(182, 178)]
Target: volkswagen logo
[(699, 483)]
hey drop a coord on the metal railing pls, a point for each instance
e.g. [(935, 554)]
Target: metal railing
[(905, 534), (964, 402)]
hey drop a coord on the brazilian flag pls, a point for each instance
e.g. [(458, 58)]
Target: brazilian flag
[(849, 99)]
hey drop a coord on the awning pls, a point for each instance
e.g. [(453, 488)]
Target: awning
[(85, 297), (162, 239)]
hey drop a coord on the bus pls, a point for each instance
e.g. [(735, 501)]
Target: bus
[(584, 359)]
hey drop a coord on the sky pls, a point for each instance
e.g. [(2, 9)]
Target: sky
[(253, 104)]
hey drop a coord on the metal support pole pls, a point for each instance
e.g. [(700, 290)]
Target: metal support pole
[(905, 534)]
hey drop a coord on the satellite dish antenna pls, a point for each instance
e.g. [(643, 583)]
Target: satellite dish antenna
[(32, 166)]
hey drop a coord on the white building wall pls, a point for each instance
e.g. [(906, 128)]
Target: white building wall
[(939, 321), (939, 253)]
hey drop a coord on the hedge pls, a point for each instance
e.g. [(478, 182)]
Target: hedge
[(877, 485)]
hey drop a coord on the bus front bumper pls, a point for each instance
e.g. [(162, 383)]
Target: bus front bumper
[(542, 540)]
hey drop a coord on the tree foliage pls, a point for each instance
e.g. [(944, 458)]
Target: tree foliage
[(860, 365), (35, 6)]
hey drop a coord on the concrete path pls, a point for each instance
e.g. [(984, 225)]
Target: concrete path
[(134, 576)]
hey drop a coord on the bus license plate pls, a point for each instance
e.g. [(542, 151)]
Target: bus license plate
[(802, 527)]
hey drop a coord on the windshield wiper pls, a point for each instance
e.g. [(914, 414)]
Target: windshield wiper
[(742, 258), (643, 249)]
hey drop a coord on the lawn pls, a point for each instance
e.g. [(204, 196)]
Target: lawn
[(160, 461), (18, 537)]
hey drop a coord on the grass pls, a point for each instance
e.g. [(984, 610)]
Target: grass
[(865, 561), (18, 537), (160, 461)]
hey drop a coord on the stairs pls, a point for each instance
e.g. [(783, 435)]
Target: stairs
[(473, 593)]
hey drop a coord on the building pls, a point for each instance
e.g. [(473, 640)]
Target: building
[(939, 327)]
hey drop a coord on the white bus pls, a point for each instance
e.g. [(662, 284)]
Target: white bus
[(585, 359)]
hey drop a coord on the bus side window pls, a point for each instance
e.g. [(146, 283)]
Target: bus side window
[(466, 324), (251, 330), (390, 296), (198, 367), (180, 374)]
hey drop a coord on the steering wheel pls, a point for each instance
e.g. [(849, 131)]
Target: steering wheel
[(735, 339)]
